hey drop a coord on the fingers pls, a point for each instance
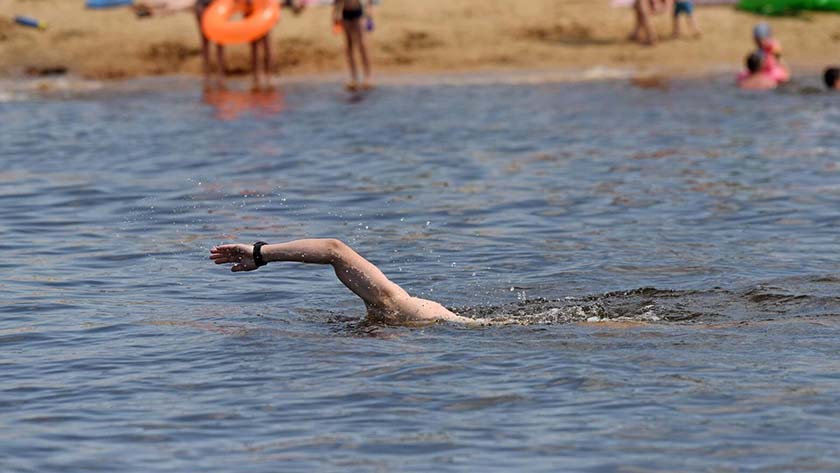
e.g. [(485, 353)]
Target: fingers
[(222, 258), (225, 254), (224, 249)]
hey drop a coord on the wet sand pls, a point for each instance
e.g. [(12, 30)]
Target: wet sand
[(411, 37)]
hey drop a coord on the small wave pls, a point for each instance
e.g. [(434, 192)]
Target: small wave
[(10, 96), (26, 89), (535, 77), (808, 297)]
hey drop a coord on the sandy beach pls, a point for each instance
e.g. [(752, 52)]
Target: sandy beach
[(429, 36)]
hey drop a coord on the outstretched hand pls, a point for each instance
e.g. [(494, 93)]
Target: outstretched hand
[(241, 255)]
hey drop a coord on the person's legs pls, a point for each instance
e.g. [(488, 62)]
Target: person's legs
[(676, 29), (205, 45), (644, 19), (693, 26), (637, 30), (351, 61), (220, 61), (359, 41), (267, 58), (255, 73)]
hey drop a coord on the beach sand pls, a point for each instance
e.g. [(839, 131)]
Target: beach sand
[(411, 37)]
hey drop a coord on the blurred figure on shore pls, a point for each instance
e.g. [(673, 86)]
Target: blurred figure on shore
[(264, 44), (644, 10), (756, 78), (685, 7), (772, 49), (200, 7), (149, 8), (354, 17), (832, 78)]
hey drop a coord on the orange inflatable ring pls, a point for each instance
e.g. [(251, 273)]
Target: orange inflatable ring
[(218, 26)]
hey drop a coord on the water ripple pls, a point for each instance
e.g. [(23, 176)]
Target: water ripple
[(666, 260)]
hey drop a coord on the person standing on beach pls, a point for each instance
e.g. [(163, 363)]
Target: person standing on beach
[(644, 32), (349, 15), (149, 8), (685, 7), (200, 7), (264, 44)]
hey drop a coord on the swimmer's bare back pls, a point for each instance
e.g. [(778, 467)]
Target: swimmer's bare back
[(386, 301)]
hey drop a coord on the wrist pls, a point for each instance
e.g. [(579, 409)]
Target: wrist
[(259, 260)]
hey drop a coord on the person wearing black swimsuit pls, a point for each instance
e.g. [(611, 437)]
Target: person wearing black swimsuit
[(350, 14)]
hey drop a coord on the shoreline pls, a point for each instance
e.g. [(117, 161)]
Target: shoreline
[(71, 86), (436, 37), (652, 78)]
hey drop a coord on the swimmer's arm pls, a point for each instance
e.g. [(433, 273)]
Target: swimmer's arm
[(338, 7), (355, 272)]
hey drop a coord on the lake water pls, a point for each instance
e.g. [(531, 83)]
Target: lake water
[(670, 254)]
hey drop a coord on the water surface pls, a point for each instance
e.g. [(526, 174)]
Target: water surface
[(695, 228)]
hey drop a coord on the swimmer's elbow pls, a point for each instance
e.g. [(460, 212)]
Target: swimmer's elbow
[(337, 249)]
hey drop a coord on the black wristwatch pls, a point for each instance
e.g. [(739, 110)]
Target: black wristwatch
[(258, 258)]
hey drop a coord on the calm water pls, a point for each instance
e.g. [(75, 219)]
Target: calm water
[(697, 225)]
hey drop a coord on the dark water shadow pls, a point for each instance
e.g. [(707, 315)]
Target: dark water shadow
[(357, 96)]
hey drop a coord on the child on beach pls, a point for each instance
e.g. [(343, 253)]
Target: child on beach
[(772, 49), (685, 7), (200, 6), (832, 78), (148, 8), (644, 32), (756, 78), (642, 10), (350, 14), (263, 44), (386, 302)]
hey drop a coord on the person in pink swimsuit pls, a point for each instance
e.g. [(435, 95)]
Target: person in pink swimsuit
[(755, 78), (772, 49)]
